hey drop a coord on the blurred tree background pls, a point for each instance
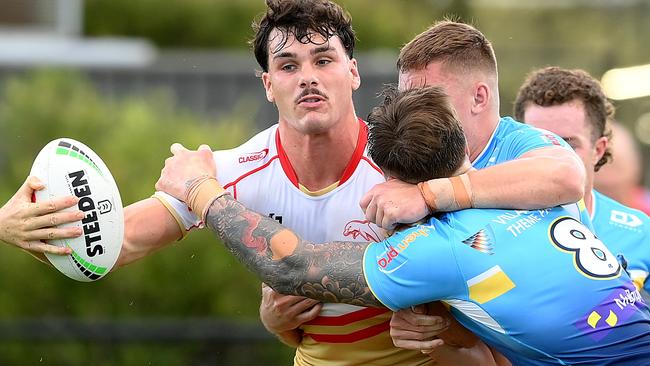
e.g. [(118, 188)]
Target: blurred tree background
[(197, 278)]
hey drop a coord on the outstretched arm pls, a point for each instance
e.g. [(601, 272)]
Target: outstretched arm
[(330, 272)]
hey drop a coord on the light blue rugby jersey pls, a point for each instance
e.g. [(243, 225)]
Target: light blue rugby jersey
[(536, 285), (625, 231), (511, 139)]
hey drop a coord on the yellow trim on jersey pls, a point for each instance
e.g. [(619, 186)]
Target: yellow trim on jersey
[(581, 205), (355, 326), (489, 285), (179, 221), (319, 192), (638, 282)]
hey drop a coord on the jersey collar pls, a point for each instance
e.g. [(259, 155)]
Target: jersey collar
[(357, 154)]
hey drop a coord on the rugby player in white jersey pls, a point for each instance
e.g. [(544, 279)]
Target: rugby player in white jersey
[(317, 152)]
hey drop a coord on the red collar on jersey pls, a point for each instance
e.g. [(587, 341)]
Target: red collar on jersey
[(362, 141)]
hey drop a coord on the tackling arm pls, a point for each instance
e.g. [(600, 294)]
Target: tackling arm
[(545, 177), (330, 272)]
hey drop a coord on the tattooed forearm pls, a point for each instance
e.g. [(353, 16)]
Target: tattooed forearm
[(330, 272)]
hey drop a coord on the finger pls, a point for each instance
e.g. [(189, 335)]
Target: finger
[(365, 201), (177, 148), (371, 211), (287, 301), (311, 314), (53, 205), (205, 147), (40, 247), (419, 309), (54, 219), (407, 334), (34, 184), (388, 222), (53, 233), (430, 346), (303, 305), (423, 346), (28, 187)]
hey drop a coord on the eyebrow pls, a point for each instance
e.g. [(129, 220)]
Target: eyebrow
[(284, 55), (321, 49), (315, 51)]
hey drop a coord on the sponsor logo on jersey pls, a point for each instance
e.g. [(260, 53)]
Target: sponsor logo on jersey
[(481, 241), (550, 138), (620, 305), (625, 219), (363, 229), (247, 158), (392, 252)]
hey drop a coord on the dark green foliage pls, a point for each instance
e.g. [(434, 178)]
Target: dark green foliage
[(193, 278)]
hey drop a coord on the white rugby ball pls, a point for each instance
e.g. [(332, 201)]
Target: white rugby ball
[(70, 168)]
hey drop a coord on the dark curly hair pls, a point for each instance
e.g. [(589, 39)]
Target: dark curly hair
[(302, 19), (554, 86)]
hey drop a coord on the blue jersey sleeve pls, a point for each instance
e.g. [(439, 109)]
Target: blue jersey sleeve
[(414, 266)]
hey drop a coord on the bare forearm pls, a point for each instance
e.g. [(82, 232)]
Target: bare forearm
[(148, 226), (330, 272), (528, 183)]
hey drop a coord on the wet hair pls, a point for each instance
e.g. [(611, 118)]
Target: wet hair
[(302, 19)]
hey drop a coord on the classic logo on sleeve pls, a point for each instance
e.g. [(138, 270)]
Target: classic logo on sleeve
[(247, 158)]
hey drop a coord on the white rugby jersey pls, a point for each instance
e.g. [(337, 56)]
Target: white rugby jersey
[(259, 174)]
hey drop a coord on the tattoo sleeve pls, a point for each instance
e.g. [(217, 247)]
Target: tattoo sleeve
[(330, 272)]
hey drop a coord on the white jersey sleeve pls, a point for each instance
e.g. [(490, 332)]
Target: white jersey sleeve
[(231, 165)]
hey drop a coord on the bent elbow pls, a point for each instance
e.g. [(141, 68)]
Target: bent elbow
[(571, 180), (286, 277)]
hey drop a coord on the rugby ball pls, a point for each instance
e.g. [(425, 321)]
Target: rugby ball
[(67, 167)]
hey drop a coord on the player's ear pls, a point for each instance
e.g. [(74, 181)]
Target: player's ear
[(481, 97), (600, 146), (354, 71), (266, 82)]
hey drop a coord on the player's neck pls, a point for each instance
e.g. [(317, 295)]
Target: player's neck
[(479, 134), (320, 159), (589, 197)]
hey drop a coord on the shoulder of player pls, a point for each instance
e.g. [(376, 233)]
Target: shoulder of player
[(611, 203), (248, 156), (611, 208), (510, 127)]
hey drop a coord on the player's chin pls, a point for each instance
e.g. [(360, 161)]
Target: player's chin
[(316, 123)]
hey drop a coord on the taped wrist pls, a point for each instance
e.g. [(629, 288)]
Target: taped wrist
[(448, 194), (462, 188), (202, 193)]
